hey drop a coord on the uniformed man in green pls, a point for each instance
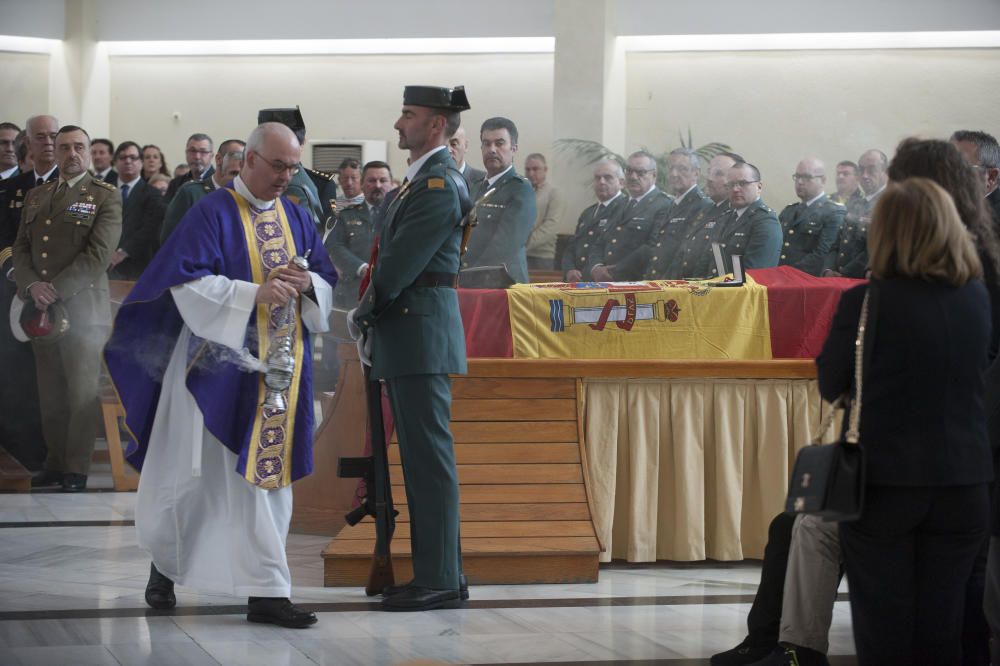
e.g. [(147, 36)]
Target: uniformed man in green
[(411, 331), (609, 179), (635, 226), (694, 257), (350, 241), (849, 257), (810, 227), (68, 231), (671, 224), (848, 186), (750, 229), (508, 218), (228, 162)]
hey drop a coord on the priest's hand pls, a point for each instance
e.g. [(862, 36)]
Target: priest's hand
[(297, 277), (276, 291), (43, 294)]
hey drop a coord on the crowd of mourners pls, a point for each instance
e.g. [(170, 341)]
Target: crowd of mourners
[(923, 569)]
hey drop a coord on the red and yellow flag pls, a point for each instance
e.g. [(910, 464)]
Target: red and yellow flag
[(668, 319)]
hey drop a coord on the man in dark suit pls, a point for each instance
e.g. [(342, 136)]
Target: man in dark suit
[(609, 179), (101, 155), (411, 321), (142, 215), (507, 218), (8, 156), (228, 162), (20, 418), (812, 225), (66, 234), (634, 227), (458, 146), (198, 153)]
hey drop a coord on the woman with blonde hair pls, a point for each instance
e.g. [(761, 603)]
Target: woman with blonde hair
[(923, 426)]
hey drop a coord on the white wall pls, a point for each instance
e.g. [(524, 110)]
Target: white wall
[(323, 19), (777, 107), (24, 86), (355, 97), (725, 17)]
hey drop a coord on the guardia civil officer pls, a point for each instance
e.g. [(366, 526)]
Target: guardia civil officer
[(811, 226), (410, 322)]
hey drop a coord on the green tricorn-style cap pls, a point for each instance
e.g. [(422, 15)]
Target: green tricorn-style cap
[(453, 99), (290, 118)]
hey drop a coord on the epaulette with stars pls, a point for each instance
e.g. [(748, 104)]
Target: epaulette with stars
[(321, 174), (107, 186)]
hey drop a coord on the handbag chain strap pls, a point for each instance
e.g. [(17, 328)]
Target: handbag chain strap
[(854, 422), (852, 435)]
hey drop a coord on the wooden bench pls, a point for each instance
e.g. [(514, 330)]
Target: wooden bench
[(525, 508), (123, 476)]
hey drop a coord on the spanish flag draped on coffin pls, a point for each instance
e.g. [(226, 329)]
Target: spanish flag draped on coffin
[(668, 319)]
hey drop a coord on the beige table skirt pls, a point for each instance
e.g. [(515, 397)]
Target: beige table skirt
[(692, 469)]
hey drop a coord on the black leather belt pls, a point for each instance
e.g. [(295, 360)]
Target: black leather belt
[(430, 279)]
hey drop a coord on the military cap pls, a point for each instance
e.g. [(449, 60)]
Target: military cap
[(452, 99), (290, 118), (29, 323)]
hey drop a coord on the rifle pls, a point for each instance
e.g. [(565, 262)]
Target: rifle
[(377, 502)]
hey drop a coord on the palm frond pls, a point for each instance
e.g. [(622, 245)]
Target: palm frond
[(588, 152)]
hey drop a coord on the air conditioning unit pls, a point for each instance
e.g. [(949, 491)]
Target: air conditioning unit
[(327, 154)]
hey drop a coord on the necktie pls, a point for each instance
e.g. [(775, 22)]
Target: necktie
[(39, 182), (632, 203), (61, 190), (125, 189)]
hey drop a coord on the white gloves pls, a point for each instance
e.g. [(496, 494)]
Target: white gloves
[(363, 341), (352, 328), (365, 350)]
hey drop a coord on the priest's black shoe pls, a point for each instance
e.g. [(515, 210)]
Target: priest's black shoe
[(46, 479), (74, 483), (280, 611), (463, 588), (159, 590), (415, 598), (745, 653)]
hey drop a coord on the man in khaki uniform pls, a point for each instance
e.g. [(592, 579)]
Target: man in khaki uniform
[(69, 228)]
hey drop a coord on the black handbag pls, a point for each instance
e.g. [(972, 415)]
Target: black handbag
[(828, 480)]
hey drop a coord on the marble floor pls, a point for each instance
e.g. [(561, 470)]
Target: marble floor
[(72, 581)]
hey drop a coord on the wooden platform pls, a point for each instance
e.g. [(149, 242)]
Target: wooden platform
[(525, 509), (14, 478)]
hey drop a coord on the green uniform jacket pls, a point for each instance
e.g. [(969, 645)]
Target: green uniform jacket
[(69, 243), (694, 257), (326, 189), (810, 233), (755, 236), (417, 330), (505, 222), (669, 229), (302, 192), (849, 255), (349, 244), (590, 228), (187, 196), (633, 230)]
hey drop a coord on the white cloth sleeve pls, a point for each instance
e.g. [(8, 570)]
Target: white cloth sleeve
[(316, 315), (217, 308)]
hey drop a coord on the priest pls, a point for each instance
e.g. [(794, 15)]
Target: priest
[(226, 289)]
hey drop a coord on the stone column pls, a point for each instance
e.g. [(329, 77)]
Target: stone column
[(80, 73)]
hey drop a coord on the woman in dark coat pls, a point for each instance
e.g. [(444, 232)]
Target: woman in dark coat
[(909, 557)]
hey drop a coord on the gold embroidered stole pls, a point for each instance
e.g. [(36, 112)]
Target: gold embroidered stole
[(270, 246)]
